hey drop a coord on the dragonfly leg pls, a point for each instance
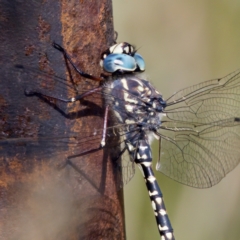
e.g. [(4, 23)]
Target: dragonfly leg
[(83, 74), (66, 100)]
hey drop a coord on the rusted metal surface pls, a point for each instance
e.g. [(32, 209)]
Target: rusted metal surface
[(37, 200)]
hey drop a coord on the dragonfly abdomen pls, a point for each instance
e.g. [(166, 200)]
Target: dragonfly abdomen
[(141, 151)]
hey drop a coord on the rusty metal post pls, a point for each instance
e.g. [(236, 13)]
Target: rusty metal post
[(37, 201)]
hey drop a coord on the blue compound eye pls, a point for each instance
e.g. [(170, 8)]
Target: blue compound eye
[(139, 61), (115, 62)]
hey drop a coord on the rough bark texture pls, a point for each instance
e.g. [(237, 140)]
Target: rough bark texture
[(37, 200)]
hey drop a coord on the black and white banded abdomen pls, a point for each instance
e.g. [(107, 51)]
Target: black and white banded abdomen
[(142, 154)]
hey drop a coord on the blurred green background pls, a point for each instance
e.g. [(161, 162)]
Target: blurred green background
[(183, 42)]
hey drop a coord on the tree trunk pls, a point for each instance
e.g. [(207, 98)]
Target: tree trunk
[(38, 200)]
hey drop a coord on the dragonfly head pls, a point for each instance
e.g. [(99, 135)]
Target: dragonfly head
[(122, 58)]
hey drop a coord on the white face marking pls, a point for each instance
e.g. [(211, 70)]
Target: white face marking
[(158, 200), (153, 205), (154, 105), (152, 193), (73, 99), (162, 212), (126, 49), (111, 49), (117, 103), (151, 179), (118, 48), (101, 63)]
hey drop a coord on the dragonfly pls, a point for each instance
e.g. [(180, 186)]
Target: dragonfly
[(198, 127)]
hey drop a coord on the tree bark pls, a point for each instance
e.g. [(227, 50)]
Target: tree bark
[(37, 200)]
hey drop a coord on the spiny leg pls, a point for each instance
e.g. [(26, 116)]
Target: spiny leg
[(83, 74), (144, 162), (102, 143), (66, 100)]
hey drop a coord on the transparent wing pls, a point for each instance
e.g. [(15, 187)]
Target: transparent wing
[(201, 132)]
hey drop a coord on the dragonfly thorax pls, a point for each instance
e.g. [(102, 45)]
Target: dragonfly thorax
[(135, 101)]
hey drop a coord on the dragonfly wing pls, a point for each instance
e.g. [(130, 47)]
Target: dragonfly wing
[(201, 132)]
